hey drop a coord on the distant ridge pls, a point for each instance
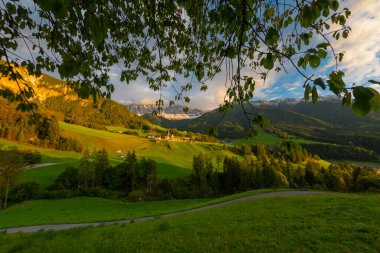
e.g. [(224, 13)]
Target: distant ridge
[(174, 112), (327, 121)]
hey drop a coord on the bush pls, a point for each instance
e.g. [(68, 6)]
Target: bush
[(97, 192), (58, 194), (69, 179), (24, 191), (136, 195), (32, 157)]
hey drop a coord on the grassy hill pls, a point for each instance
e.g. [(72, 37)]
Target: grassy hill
[(57, 97), (317, 223), (174, 159)]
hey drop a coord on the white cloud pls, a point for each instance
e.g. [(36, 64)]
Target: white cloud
[(361, 62), (363, 44)]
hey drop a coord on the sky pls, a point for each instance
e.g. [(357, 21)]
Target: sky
[(360, 63)]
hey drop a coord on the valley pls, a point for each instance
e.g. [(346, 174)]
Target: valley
[(189, 126)]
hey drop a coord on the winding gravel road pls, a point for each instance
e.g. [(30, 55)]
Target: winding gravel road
[(31, 229)]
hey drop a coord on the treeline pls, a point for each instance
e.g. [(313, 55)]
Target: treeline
[(246, 175), (11, 164), (44, 132), (49, 136), (341, 152), (284, 166), (135, 179)]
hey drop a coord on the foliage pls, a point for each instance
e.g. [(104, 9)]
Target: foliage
[(95, 115), (279, 166), (25, 191), (10, 165), (168, 41), (341, 152), (32, 157), (20, 127)]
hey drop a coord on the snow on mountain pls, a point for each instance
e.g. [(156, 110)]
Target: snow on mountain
[(174, 112)]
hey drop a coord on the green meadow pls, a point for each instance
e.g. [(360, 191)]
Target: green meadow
[(174, 159), (45, 175), (331, 222), (86, 209), (262, 137)]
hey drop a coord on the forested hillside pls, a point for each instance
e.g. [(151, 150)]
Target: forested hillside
[(327, 121), (94, 115), (57, 102), (43, 132)]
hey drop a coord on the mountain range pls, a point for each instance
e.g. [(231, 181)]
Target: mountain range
[(327, 121), (174, 112)]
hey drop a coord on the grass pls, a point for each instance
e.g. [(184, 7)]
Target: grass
[(48, 155), (262, 137), (317, 223), (46, 175), (85, 209), (123, 129), (174, 159)]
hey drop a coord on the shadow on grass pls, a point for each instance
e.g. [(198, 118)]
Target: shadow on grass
[(166, 170)]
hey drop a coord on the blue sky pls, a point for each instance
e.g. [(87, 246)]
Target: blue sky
[(360, 63)]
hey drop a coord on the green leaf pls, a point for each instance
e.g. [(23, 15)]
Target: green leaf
[(319, 82), (347, 99), (334, 5), (267, 62), (272, 36), (322, 53), (307, 92), (326, 12), (361, 108), (365, 100), (314, 95), (345, 34), (314, 61), (336, 82), (306, 17), (363, 93), (323, 45), (84, 92)]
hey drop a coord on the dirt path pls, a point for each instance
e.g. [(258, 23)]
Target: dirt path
[(31, 229), (39, 165)]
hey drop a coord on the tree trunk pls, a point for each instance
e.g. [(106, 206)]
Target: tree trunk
[(6, 195), (93, 179), (86, 178)]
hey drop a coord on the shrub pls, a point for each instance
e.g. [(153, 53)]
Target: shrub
[(32, 157), (136, 195), (24, 191), (58, 194)]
